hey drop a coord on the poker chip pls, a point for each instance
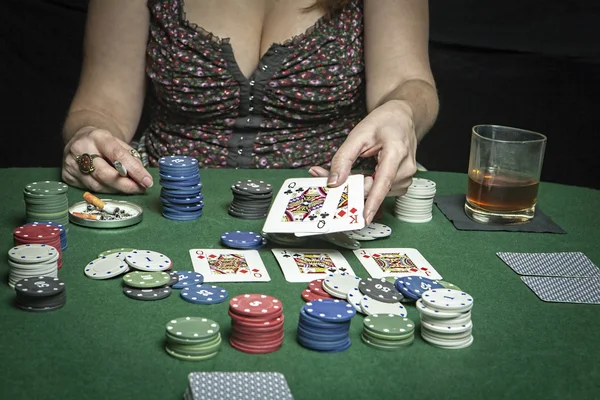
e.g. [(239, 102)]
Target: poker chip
[(148, 260), (181, 188), (372, 231), (174, 279), (61, 227), (146, 280), (256, 323), (413, 287), (245, 240), (147, 294), (285, 239), (192, 338), (204, 294), (324, 325), (388, 331), (379, 289), (31, 260), (187, 278), (123, 250), (315, 291), (39, 234), (41, 293), (446, 318), (47, 201), (251, 199), (370, 306), (416, 205), (106, 267), (341, 239), (339, 285)]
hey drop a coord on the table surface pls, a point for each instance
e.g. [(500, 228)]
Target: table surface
[(105, 345)]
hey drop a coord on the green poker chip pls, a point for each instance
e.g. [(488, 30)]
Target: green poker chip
[(47, 187), (448, 285), (369, 342), (112, 251), (191, 328), (142, 279), (190, 357), (389, 324)]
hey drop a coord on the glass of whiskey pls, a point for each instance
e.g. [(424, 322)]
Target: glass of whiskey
[(505, 165)]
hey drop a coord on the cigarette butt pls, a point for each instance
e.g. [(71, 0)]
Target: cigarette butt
[(86, 216), (109, 208), (93, 200)]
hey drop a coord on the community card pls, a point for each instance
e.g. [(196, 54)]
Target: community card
[(381, 263), (218, 265), (305, 265), (565, 290), (348, 215), (303, 205), (238, 385), (568, 264)]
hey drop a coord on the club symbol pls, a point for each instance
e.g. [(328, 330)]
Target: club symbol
[(312, 217), (324, 215), (297, 255), (288, 192)]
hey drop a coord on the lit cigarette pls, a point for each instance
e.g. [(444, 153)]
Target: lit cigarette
[(96, 202), (87, 216), (120, 168)]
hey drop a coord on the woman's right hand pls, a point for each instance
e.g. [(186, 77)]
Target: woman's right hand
[(104, 150)]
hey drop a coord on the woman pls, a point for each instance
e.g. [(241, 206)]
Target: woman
[(326, 84)]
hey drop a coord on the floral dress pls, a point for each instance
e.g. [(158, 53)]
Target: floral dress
[(294, 111)]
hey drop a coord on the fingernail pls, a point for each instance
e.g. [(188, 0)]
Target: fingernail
[(332, 180), (147, 182), (370, 216)]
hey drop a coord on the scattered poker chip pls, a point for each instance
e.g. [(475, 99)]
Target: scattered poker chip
[(246, 240), (256, 323), (181, 188), (255, 305), (447, 300), (354, 297), (339, 285), (307, 295), (416, 205), (379, 289), (121, 250), (371, 306), (142, 279), (187, 278), (414, 286), (174, 279), (204, 294), (147, 294), (341, 239), (372, 231), (148, 260), (106, 267), (448, 285)]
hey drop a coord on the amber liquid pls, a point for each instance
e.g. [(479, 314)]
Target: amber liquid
[(501, 193)]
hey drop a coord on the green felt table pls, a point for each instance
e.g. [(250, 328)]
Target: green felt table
[(104, 345)]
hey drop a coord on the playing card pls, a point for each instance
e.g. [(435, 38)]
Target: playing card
[(237, 385), (348, 215), (567, 264), (381, 263), (303, 205), (219, 265), (305, 265), (565, 290)]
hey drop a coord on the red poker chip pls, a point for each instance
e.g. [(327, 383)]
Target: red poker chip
[(255, 305), (262, 320), (316, 287), (257, 337), (256, 329), (36, 231), (255, 349), (307, 296), (257, 341)]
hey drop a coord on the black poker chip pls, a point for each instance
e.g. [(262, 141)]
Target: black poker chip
[(40, 286), (253, 186), (147, 294), (174, 279), (251, 199), (379, 289)]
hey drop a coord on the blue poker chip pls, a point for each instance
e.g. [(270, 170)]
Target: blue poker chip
[(242, 239), (180, 184), (316, 323), (182, 208), (177, 162), (330, 310), (182, 216), (165, 198), (326, 347), (316, 334), (187, 188), (204, 294), (187, 279), (414, 286), (178, 177), (183, 191), (61, 227)]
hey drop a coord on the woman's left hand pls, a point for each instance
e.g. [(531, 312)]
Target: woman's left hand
[(388, 133)]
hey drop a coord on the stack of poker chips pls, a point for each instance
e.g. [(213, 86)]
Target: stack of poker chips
[(243, 240), (417, 204), (413, 287), (181, 189), (47, 201), (388, 332), (39, 234), (42, 293), (192, 338), (251, 199), (256, 323), (324, 325), (315, 291), (446, 318), (142, 285), (31, 260), (63, 231)]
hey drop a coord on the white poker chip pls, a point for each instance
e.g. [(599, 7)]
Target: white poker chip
[(435, 313), (448, 344), (339, 285), (447, 299), (356, 235), (148, 260), (371, 306), (462, 319), (442, 327), (33, 254), (375, 230), (354, 296), (106, 267)]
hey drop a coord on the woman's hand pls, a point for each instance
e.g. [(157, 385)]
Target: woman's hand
[(388, 133), (88, 161)]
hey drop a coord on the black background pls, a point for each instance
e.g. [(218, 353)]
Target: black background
[(533, 64)]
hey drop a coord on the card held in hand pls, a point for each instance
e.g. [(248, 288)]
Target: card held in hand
[(303, 205)]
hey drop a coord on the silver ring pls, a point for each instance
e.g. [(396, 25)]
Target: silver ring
[(135, 153)]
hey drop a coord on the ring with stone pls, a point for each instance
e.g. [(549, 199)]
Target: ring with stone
[(85, 162)]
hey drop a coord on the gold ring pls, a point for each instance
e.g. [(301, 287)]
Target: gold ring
[(135, 153), (86, 162)]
